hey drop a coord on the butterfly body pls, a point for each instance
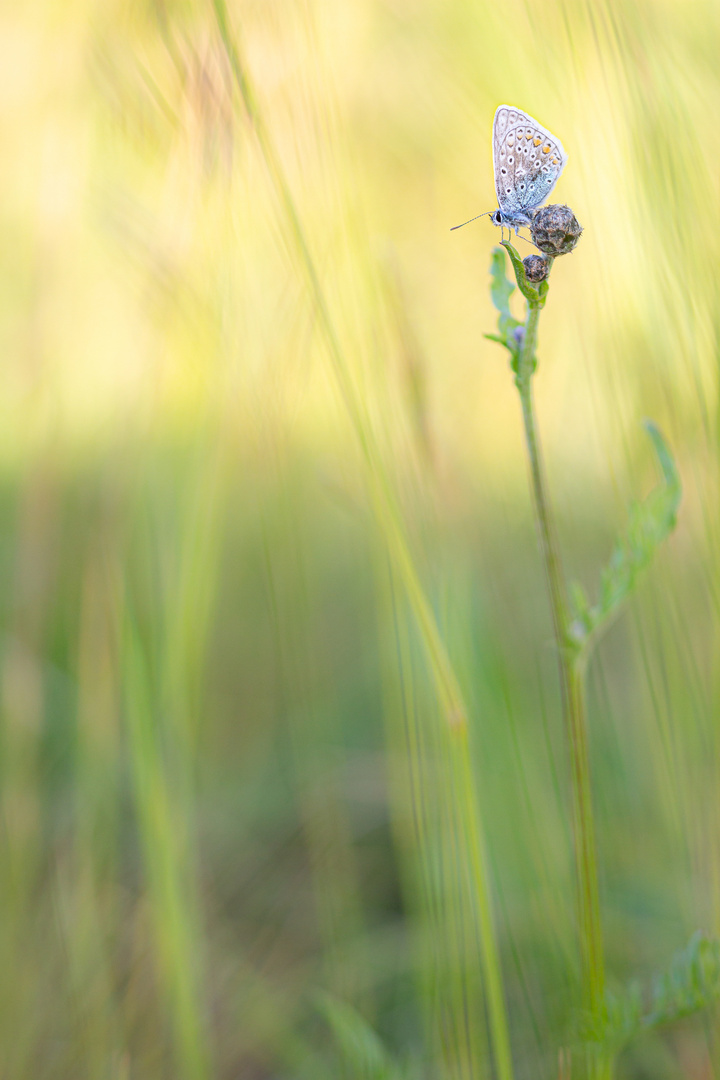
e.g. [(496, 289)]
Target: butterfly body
[(527, 162)]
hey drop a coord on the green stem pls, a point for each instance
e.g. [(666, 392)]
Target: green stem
[(572, 678), (391, 524), (475, 847)]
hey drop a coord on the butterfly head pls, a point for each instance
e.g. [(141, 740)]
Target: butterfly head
[(507, 220)]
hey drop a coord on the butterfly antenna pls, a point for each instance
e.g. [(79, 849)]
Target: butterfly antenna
[(487, 212)]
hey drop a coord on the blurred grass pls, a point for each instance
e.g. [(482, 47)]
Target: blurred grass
[(225, 786)]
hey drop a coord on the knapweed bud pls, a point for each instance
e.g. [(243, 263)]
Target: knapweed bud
[(555, 229), (536, 269)]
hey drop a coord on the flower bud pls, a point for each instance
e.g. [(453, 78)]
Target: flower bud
[(536, 268), (555, 229)]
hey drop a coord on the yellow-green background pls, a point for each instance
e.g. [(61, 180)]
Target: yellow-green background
[(220, 794)]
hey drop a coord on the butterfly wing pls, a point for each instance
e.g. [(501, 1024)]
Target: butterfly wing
[(527, 162)]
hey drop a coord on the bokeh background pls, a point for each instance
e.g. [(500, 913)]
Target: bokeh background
[(227, 844)]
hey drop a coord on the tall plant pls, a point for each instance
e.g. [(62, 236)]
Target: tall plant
[(577, 621)]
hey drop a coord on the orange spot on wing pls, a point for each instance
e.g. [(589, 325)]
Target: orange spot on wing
[(546, 150), (537, 141)]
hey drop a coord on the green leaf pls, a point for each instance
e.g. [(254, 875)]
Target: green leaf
[(530, 292), (691, 984), (651, 522), (621, 1021), (362, 1050), (501, 289)]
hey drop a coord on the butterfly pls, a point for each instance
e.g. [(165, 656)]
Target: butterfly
[(527, 163)]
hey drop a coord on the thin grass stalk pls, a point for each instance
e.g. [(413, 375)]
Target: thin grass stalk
[(390, 521), (467, 800), (429, 830), (169, 869)]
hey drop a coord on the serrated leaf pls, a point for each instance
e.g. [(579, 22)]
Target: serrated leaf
[(651, 522), (691, 984), (362, 1050)]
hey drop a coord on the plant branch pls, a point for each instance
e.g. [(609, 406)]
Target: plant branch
[(572, 679)]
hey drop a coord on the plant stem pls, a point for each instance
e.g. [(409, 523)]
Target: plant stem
[(475, 847), (392, 528), (572, 679)]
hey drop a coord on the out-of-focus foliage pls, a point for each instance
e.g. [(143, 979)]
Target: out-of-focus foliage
[(691, 984), (651, 522), (224, 783)]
